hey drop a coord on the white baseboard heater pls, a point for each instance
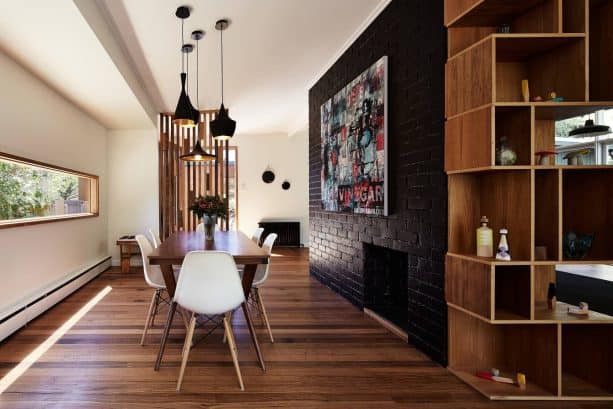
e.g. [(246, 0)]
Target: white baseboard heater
[(33, 309)]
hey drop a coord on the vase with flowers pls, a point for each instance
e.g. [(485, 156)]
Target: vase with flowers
[(208, 209)]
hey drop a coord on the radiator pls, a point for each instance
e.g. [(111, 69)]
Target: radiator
[(288, 232), (31, 310)]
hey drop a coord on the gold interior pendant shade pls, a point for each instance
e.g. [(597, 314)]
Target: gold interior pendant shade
[(198, 155)]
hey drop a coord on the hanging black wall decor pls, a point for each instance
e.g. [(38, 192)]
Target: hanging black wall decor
[(285, 185), (268, 176)]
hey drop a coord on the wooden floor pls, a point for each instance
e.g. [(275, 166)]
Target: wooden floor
[(326, 354)]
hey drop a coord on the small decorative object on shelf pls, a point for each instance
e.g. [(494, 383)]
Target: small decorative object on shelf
[(503, 29), (504, 155), (545, 158), (576, 247), (525, 90), (538, 98), (553, 97), (495, 378), (582, 309), (485, 239), (495, 371), (208, 209), (540, 252), (576, 157), (551, 295), (521, 380), (503, 247)]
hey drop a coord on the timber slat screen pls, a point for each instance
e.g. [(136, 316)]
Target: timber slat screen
[(180, 182)]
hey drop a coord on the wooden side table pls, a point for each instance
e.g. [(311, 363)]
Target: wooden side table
[(128, 247)]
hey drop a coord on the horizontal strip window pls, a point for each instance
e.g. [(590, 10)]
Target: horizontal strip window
[(33, 192)]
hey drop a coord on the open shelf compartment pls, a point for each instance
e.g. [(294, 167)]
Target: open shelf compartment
[(587, 360), (512, 293), (601, 50), (475, 345), (513, 124), (549, 63), (546, 214), (588, 209), (502, 196)]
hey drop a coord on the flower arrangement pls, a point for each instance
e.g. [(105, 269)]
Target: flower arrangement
[(209, 206)]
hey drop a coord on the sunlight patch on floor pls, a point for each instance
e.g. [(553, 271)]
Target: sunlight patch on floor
[(35, 355)]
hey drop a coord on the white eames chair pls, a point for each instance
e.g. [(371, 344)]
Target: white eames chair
[(155, 280), (209, 284), (257, 235), (155, 238), (261, 274)]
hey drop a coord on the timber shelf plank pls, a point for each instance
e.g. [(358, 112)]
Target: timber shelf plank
[(502, 391), (560, 315), (490, 260), (487, 12)]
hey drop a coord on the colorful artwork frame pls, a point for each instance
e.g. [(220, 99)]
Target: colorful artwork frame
[(354, 160)]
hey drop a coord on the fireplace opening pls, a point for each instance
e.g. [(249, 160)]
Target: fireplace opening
[(386, 284)]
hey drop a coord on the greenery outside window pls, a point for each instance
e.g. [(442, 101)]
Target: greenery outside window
[(33, 192)]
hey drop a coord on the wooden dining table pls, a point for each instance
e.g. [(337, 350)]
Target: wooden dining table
[(173, 251)]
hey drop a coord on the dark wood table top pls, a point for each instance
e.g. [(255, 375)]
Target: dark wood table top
[(174, 248)]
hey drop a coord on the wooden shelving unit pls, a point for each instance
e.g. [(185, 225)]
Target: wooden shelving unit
[(498, 315)]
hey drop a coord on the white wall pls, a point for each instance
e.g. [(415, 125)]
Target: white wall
[(133, 190), (288, 157), (38, 123)]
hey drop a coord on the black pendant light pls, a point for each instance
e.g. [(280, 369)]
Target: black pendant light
[(591, 129), (184, 112), (222, 127), (197, 154)]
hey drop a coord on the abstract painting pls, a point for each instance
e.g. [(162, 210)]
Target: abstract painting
[(354, 145)]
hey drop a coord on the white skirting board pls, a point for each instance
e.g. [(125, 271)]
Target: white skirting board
[(28, 312)]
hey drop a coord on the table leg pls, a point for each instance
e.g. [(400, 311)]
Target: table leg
[(125, 251), (248, 275), (171, 285), (171, 314), (169, 279)]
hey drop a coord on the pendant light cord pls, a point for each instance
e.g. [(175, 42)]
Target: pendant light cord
[(221, 66), (181, 47), (198, 75)]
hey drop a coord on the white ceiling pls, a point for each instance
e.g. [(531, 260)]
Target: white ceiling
[(274, 50), (53, 41)]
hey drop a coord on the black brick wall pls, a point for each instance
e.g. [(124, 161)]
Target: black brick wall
[(411, 34)]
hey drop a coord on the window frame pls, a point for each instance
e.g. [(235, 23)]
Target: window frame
[(29, 221)]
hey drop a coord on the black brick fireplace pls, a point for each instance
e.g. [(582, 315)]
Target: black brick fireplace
[(411, 34), (386, 290)]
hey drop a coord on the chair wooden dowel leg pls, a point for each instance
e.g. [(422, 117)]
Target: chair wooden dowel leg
[(264, 315), (233, 350), (225, 338), (148, 320), (186, 348)]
